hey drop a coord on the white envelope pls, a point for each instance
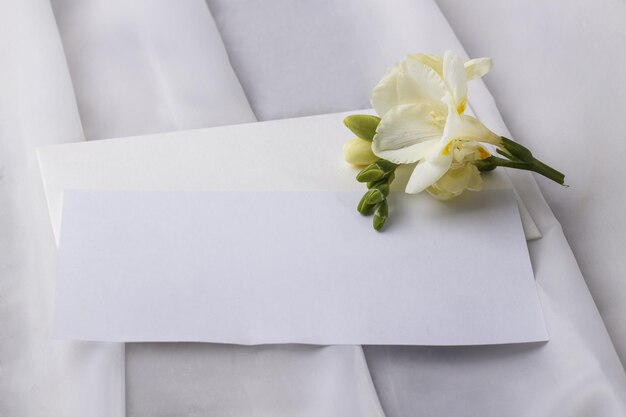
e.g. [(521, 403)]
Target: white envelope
[(298, 155)]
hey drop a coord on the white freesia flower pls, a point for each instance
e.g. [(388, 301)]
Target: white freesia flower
[(421, 102), (386, 94)]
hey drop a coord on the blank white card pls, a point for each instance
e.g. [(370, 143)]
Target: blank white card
[(294, 267)]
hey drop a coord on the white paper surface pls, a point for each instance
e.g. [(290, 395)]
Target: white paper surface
[(301, 154), (293, 267)]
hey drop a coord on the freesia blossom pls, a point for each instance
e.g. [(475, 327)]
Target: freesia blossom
[(421, 102)]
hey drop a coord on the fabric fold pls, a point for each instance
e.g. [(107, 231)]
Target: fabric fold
[(144, 66), (40, 376)]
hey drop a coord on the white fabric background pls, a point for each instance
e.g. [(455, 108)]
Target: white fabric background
[(39, 376), (559, 80), (147, 66), (576, 374)]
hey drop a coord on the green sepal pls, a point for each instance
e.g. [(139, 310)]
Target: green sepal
[(362, 125), (487, 164), (386, 166), (517, 151)]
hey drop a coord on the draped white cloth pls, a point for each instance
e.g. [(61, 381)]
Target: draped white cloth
[(148, 66), (39, 376), (562, 92), (142, 67)]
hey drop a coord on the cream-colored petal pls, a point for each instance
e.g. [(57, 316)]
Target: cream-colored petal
[(470, 151), (456, 79), (408, 132), (475, 182), (417, 82), (439, 194), (455, 181), (385, 94), (433, 61), (477, 67), (458, 179), (427, 172), (453, 122), (471, 129), (465, 128)]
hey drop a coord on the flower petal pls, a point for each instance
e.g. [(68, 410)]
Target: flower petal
[(408, 132), (477, 67), (385, 94), (475, 182), (458, 179), (433, 61), (427, 172), (465, 128), (439, 194), (417, 82), (471, 129), (456, 79), (455, 181)]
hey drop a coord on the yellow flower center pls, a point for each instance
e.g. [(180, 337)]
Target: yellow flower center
[(437, 118), (461, 107)]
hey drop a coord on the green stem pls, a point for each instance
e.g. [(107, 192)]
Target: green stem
[(521, 154), (548, 172), (534, 165)]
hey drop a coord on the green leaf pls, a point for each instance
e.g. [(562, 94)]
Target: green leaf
[(362, 125)]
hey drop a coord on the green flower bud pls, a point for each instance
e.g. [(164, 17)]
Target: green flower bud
[(374, 196), (373, 184), (383, 188), (380, 215), (364, 207), (369, 174), (362, 125)]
